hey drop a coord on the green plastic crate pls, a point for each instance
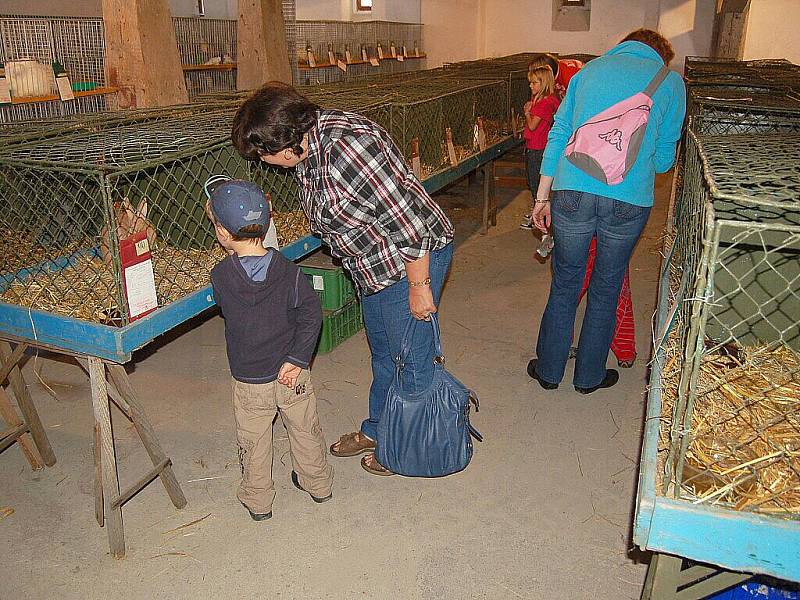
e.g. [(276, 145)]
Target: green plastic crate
[(333, 286), (339, 325)]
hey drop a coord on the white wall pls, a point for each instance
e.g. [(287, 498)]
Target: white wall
[(219, 9), (403, 11), (689, 25), (772, 27), (450, 30)]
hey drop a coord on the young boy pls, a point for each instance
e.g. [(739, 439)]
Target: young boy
[(272, 322)]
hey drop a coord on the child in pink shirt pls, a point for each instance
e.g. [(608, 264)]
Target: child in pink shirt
[(539, 112)]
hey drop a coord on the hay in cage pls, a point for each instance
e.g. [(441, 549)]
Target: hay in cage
[(81, 289), (744, 439)]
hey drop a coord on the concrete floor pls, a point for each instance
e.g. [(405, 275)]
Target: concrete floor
[(543, 511)]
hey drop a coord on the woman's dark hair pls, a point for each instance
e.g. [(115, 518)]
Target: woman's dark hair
[(655, 40), (274, 118)]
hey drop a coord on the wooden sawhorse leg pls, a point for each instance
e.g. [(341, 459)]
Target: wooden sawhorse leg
[(30, 427), (108, 499), (666, 580), (489, 199)]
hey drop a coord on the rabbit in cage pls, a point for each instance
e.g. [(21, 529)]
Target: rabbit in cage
[(128, 221), (60, 227)]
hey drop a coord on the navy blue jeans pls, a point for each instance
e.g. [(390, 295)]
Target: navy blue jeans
[(576, 218), (386, 314)]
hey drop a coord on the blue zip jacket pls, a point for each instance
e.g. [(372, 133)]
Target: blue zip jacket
[(620, 73)]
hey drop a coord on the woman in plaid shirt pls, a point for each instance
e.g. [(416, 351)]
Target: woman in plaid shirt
[(365, 203)]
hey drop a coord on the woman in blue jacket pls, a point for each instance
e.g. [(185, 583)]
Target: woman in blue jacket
[(583, 207)]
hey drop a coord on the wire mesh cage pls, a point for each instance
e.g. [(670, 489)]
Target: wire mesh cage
[(69, 205), (729, 111), (777, 73), (30, 45), (443, 121), (731, 414)]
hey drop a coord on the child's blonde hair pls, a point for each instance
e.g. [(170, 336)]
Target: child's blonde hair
[(544, 75)]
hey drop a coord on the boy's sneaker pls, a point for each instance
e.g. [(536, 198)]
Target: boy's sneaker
[(257, 516), (526, 222), (296, 483)]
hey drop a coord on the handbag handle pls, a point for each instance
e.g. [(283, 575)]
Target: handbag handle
[(408, 336)]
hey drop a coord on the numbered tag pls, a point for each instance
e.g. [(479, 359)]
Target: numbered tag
[(348, 58), (380, 52), (393, 51), (400, 57), (5, 92), (480, 134), (64, 87), (364, 56), (416, 166), (342, 65), (451, 149), (331, 57), (374, 62), (312, 62), (405, 51)]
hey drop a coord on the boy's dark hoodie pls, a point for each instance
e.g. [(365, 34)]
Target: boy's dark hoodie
[(267, 323)]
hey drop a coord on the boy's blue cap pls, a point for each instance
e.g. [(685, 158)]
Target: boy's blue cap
[(237, 204)]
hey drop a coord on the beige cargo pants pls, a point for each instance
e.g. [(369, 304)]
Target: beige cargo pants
[(255, 406)]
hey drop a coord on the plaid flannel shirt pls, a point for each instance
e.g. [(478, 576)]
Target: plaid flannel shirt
[(364, 201)]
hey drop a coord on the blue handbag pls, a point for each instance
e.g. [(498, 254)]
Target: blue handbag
[(427, 433)]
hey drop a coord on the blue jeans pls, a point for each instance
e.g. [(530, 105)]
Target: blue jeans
[(386, 314), (576, 218), (533, 163)]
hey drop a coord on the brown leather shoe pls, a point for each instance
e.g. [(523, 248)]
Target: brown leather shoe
[(352, 444), (371, 465)]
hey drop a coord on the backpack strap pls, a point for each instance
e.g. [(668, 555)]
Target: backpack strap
[(657, 80)]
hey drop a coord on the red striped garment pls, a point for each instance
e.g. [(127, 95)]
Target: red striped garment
[(623, 344), (363, 200)]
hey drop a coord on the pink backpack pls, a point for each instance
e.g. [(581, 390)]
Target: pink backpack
[(606, 146)]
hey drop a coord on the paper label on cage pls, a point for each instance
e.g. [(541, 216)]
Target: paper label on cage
[(480, 134), (374, 62), (364, 56), (64, 88), (318, 283), (405, 52), (416, 167), (5, 91), (311, 60), (331, 57), (140, 288), (380, 52), (400, 57), (393, 51), (142, 247), (416, 51), (342, 65), (348, 58), (451, 149)]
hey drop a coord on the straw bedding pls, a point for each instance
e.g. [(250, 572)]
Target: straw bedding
[(86, 289)]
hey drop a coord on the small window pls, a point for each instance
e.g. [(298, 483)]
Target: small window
[(363, 5), (201, 8)]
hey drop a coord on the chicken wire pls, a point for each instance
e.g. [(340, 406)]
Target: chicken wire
[(76, 43), (62, 213), (733, 430)]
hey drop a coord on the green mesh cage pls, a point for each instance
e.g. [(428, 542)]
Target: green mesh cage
[(63, 212), (735, 422)]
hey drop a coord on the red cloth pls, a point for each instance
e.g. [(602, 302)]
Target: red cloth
[(623, 344), (566, 69), (545, 109)]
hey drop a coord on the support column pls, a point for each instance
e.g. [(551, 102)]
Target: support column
[(261, 45), (142, 57)]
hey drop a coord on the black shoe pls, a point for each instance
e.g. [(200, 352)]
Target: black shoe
[(257, 516), (296, 483), (611, 378), (532, 372)]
